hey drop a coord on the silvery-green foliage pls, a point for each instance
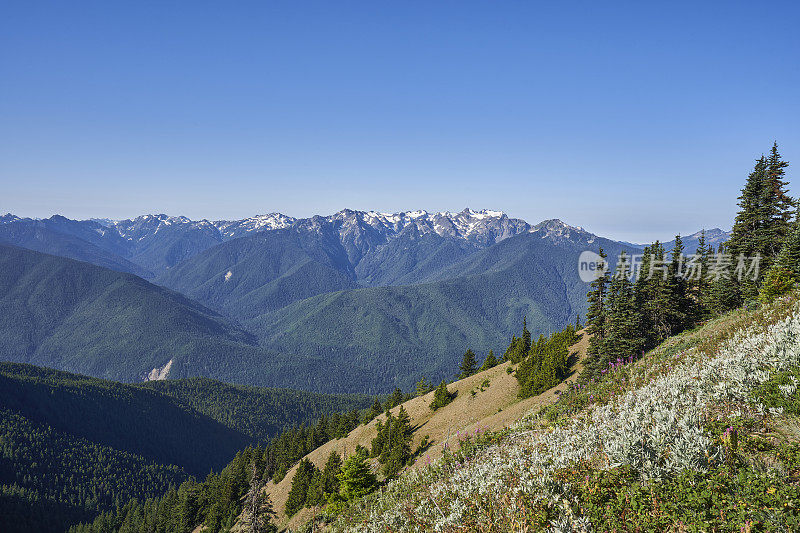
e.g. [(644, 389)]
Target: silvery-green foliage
[(656, 429)]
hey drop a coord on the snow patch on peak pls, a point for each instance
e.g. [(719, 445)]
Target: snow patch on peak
[(559, 231), (236, 228), (106, 222)]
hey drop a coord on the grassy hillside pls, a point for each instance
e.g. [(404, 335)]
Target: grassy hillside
[(494, 405), (703, 433)]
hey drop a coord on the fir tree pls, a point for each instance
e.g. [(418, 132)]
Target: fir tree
[(515, 351), (424, 387), (660, 305), (699, 284), (374, 411), (762, 225), (596, 315), (395, 399), (526, 336), (441, 397), (680, 306), (642, 294), (300, 485), (257, 512), (356, 479), (314, 494), (725, 292), (547, 363), (330, 480), (789, 257), (326, 481), (397, 451), (746, 236), (623, 337), (778, 206), (489, 362), (785, 272), (468, 365)]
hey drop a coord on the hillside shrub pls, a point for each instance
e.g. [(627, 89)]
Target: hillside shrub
[(778, 281), (441, 396)]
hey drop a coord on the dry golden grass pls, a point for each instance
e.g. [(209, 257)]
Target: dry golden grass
[(494, 408)]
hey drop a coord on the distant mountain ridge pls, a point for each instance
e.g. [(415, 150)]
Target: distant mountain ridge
[(355, 301), (149, 245)]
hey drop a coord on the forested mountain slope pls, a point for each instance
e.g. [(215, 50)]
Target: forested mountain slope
[(71, 445), (259, 413), (262, 272), (72, 315), (402, 333)]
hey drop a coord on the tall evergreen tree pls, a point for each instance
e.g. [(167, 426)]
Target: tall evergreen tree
[(257, 512), (699, 283), (395, 399), (596, 315), (789, 257), (643, 289), (489, 362), (397, 453), (680, 306), (547, 363), (300, 485), (423, 387), (526, 336), (785, 271), (515, 351), (778, 205), (468, 365), (746, 236), (623, 335), (325, 482), (762, 225), (725, 292)]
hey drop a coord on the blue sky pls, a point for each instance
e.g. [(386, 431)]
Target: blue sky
[(636, 120)]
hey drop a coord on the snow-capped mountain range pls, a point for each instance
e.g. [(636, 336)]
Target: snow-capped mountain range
[(484, 226), (156, 243)]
